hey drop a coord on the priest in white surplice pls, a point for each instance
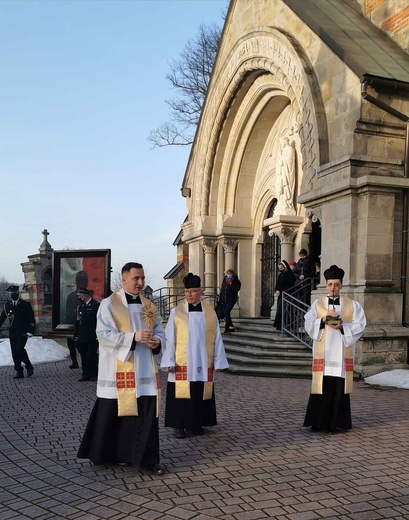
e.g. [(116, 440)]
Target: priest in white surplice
[(194, 350), (123, 426), (335, 323)]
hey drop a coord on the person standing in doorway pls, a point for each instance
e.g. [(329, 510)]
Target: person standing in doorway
[(228, 297), (22, 324), (304, 271), (285, 281)]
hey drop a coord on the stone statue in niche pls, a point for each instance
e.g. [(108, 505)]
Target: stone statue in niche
[(285, 178)]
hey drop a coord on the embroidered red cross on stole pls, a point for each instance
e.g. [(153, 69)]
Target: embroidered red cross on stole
[(349, 364), (318, 365), (210, 374), (157, 380), (125, 379), (180, 373)]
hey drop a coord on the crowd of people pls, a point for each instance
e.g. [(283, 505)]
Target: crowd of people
[(122, 344)]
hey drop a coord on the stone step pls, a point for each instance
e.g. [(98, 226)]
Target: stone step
[(262, 371), (271, 337), (284, 362), (257, 348), (264, 342), (266, 352)]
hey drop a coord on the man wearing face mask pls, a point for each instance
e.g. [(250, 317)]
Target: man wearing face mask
[(22, 323)]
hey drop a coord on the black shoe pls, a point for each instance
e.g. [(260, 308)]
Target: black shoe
[(74, 365), (155, 469), (195, 433), (84, 379), (30, 372), (226, 331), (335, 431), (232, 329), (179, 433), (18, 376)]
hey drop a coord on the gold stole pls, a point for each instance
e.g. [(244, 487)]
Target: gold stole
[(182, 385), (125, 372), (347, 313)]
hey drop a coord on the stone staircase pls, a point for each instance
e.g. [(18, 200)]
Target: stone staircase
[(257, 349)]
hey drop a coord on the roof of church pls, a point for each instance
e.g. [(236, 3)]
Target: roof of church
[(174, 271), (365, 48)]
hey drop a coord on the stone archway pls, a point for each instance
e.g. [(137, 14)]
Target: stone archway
[(267, 52), (264, 93)]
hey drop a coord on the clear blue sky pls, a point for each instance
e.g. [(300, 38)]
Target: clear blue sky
[(82, 85)]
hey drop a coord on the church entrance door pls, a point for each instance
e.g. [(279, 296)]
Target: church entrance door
[(269, 262)]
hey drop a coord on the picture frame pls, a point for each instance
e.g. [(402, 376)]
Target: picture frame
[(73, 270)]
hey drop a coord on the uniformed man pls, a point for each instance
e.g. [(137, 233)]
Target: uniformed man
[(22, 323), (85, 332)]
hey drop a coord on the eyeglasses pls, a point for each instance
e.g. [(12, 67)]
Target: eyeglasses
[(192, 291)]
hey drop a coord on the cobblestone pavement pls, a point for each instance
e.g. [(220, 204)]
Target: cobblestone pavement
[(259, 462)]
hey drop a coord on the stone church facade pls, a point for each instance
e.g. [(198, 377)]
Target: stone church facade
[(303, 143)]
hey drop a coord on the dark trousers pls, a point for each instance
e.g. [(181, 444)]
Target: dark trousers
[(19, 354), (89, 359), (72, 350), (227, 307)]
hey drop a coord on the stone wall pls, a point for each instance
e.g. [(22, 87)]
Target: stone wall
[(392, 16)]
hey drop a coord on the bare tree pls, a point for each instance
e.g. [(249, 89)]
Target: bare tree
[(190, 76)]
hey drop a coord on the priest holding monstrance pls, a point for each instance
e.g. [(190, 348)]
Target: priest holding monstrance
[(335, 323), (123, 426)]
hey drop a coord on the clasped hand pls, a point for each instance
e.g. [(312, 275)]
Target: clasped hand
[(145, 336), (333, 314)]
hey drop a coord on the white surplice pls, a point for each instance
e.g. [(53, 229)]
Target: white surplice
[(196, 354), (335, 341), (115, 345)]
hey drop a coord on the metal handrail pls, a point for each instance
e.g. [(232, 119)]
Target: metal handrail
[(295, 304), (166, 298)]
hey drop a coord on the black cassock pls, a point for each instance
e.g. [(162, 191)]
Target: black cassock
[(109, 439), (190, 414), (331, 409)]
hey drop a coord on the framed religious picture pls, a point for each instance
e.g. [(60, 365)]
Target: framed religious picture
[(73, 270)]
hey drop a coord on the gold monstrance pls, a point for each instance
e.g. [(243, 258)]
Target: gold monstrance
[(149, 315)]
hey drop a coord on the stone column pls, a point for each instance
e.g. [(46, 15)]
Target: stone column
[(229, 246), (285, 227), (209, 247)]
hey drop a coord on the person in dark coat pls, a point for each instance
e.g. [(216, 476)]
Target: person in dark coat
[(285, 280), (22, 323), (85, 332), (228, 297), (304, 270)]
